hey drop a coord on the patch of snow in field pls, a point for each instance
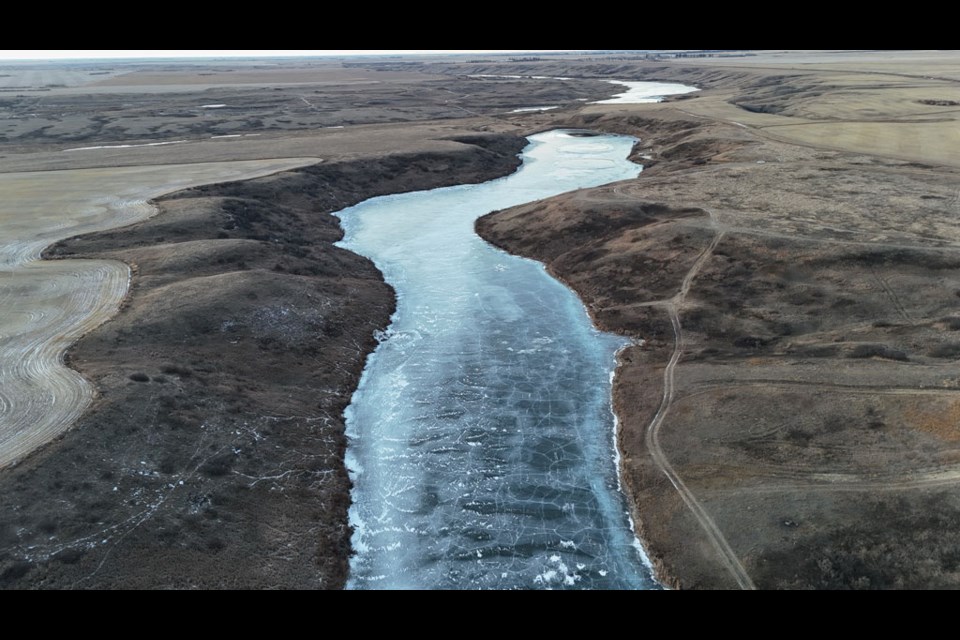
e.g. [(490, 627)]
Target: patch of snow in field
[(527, 109), (125, 146), (490, 75)]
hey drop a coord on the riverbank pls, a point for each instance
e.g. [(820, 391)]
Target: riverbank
[(784, 421), (213, 457)]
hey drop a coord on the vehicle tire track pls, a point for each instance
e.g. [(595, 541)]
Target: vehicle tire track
[(709, 386), (894, 298), (727, 556), (833, 482)]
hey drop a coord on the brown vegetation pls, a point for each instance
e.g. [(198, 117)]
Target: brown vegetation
[(214, 455), (811, 416)]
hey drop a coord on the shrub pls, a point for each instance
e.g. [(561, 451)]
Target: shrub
[(949, 350), (877, 351), (174, 370)]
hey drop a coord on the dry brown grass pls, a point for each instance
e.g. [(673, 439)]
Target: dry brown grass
[(329, 73), (937, 416)]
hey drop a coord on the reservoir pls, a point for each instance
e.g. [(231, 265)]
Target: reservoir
[(481, 435)]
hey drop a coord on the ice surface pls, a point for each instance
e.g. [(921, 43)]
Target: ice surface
[(638, 92), (644, 92), (481, 444), (526, 109)]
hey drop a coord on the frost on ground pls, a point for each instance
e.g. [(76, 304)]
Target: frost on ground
[(286, 324)]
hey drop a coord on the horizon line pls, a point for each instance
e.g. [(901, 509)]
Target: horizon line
[(37, 55)]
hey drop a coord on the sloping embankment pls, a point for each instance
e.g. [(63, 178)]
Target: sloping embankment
[(213, 457)]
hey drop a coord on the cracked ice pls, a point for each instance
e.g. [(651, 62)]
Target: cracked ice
[(481, 436)]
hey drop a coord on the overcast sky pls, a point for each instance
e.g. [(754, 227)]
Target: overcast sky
[(62, 54)]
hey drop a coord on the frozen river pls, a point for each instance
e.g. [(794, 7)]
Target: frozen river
[(481, 436)]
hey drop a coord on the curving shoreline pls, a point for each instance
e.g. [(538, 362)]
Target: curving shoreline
[(833, 279), (728, 257), (197, 469), (492, 402), (40, 397), (145, 262), (662, 571), (812, 411)]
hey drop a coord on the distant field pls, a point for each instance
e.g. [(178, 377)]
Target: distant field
[(217, 77), (901, 104), (922, 142), (12, 79), (941, 64)]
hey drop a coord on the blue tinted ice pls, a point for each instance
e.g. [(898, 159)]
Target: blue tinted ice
[(481, 436)]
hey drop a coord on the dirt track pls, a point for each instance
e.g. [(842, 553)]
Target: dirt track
[(653, 440)]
